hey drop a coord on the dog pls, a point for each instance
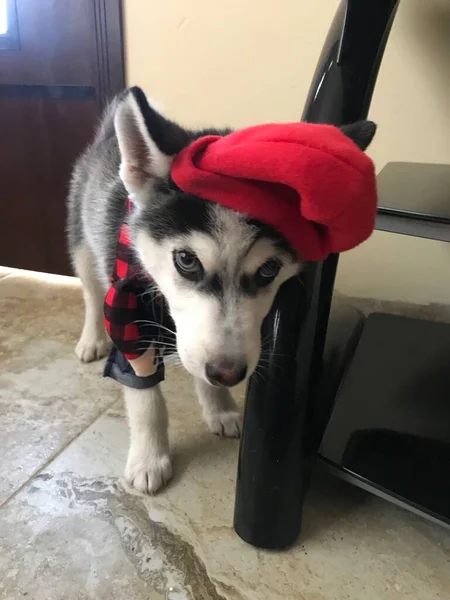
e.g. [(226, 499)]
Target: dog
[(240, 264)]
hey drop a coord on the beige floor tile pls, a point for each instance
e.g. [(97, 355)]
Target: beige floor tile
[(74, 533), (46, 398), (75, 523)]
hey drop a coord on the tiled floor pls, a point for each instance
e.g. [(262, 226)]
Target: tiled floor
[(68, 530)]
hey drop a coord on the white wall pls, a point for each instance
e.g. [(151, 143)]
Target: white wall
[(240, 62)]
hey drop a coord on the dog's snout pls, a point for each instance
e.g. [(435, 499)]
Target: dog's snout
[(226, 372)]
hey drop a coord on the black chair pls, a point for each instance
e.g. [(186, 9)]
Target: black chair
[(284, 416)]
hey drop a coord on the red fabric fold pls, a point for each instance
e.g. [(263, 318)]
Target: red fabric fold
[(309, 182)]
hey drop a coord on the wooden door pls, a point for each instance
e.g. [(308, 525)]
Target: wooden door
[(59, 62)]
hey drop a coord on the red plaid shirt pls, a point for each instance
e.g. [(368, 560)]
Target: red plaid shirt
[(135, 316)]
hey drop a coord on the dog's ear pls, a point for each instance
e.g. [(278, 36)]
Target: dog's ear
[(147, 142), (361, 132)]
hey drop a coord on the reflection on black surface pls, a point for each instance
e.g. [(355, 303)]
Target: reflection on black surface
[(415, 468), (390, 426)]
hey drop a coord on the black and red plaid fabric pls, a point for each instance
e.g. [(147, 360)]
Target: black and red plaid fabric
[(136, 316)]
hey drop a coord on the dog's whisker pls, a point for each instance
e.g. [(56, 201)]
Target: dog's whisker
[(259, 376), (256, 375), (271, 355), (162, 334), (269, 363), (151, 342), (267, 339), (159, 325), (161, 351), (161, 342), (155, 343), (166, 350), (151, 289), (163, 338)]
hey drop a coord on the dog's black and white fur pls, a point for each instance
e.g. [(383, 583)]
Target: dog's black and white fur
[(218, 315)]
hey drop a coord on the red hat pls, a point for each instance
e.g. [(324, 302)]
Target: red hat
[(309, 182)]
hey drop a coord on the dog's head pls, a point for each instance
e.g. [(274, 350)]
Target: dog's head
[(218, 269)]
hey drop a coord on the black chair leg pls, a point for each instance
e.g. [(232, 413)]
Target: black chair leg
[(271, 485), (277, 449)]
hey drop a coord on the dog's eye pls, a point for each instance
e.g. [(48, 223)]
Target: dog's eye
[(188, 265), (268, 271)]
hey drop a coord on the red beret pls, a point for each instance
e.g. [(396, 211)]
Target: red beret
[(310, 182)]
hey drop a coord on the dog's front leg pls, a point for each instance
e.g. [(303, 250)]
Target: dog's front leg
[(148, 466), (220, 411)]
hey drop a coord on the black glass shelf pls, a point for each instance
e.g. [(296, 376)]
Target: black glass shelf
[(414, 200), (390, 427)]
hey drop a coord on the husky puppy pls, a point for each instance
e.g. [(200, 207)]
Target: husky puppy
[(239, 265)]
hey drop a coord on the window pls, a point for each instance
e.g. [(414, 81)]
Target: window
[(9, 30), (3, 17)]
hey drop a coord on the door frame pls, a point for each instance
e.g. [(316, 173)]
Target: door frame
[(110, 48)]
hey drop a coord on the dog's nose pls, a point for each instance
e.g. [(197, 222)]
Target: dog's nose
[(226, 372)]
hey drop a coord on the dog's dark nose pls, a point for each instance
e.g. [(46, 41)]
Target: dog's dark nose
[(226, 372)]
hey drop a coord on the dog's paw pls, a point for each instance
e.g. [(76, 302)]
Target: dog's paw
[(225, 423), (148, 476), (90, 348)]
